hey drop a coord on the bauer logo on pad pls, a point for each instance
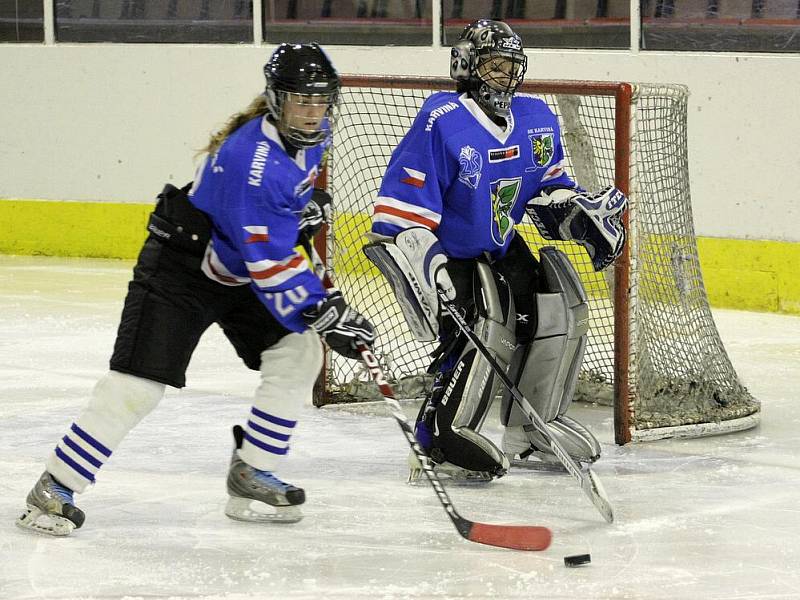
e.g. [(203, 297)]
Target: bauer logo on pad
[(415, 178)]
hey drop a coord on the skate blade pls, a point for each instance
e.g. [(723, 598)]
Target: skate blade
[(35, 519), (457, 478), (253, 511), (528, 464), (544, 461)]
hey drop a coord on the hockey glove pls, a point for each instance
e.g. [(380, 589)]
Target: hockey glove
[(339, 325), (316, 212), (598, 227), (593, 221)]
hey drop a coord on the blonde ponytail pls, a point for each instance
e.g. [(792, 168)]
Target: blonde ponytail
[(257, 108)]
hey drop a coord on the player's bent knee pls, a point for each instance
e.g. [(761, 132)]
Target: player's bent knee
[(129, 396)]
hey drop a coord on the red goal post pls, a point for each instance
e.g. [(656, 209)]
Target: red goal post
[(649, 320)]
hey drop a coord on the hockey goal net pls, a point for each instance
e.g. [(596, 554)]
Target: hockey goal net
[(654, 352)]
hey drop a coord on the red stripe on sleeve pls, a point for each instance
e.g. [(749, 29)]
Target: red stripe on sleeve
[(406, 215), (272, 271)]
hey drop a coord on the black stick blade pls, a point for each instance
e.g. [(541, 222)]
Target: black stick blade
[(515, 537)]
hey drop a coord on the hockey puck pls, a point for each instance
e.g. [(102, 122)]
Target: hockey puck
[(576, 560)]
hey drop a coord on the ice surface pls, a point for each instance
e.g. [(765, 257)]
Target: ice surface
[(715, 518)]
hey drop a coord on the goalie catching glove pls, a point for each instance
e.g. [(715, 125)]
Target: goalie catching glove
[(593, 221), (415, 267), (339, 325)]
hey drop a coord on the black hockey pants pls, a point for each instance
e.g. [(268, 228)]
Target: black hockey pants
[(171, 302)]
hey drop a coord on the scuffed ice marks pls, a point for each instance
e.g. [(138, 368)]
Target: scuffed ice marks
[(714, 518)]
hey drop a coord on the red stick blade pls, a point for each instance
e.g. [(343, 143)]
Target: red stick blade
[(516, 537)]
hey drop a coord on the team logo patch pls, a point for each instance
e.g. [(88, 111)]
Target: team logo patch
[(542, 149), (257, 233), (504, 195), (470, 165), (413, 177), (500, 154)]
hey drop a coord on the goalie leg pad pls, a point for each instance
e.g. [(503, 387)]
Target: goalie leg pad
[(463, 394), (546, 370), (460, 412)]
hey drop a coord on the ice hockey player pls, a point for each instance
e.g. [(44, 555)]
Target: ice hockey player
[(223, 251), (472, 164)]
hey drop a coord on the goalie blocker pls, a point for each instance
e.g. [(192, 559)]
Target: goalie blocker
[(543, 357), (414, 265)]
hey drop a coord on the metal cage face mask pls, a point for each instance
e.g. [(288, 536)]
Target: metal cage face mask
[(499, 74), (305, 119), (502, 72)]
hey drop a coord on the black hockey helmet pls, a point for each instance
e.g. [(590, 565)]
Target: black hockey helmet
[(488, 61), (302, 69)]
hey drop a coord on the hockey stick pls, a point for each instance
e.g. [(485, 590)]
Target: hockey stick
[(515, 537), (588, 480)]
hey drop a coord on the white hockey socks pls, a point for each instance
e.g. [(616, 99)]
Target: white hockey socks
[(288, 372), (118, 403)]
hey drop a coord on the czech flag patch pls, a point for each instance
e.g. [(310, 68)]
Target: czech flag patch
[(415, 178), (258, 233)]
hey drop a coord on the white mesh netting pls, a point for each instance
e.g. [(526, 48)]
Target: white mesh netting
[(679, 378)]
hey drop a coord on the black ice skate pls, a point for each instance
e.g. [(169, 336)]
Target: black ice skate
[(50, 509), (259, 496)]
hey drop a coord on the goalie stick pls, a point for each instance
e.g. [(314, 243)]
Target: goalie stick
[(590, 484), (517, 537), (514, 537)]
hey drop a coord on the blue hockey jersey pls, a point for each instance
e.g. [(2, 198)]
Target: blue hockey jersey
[(459, 174), (254, 194)]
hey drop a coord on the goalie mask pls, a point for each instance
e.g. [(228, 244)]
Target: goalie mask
[(302, 92), (488, 62)]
